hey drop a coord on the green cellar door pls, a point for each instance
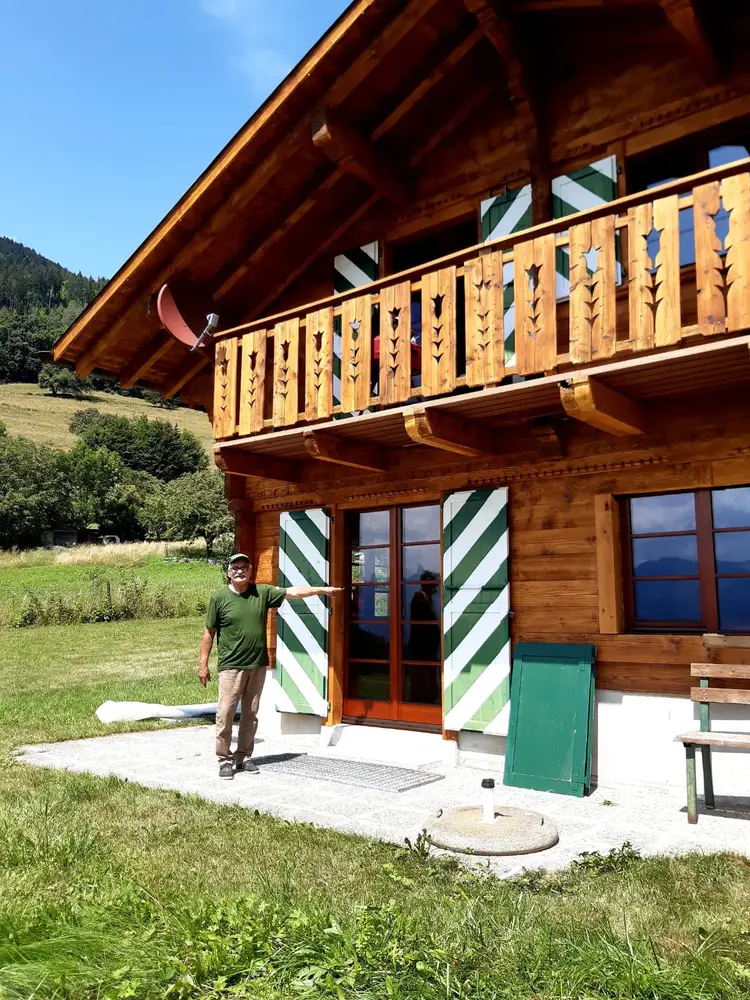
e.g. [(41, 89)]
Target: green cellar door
[(551, 715)]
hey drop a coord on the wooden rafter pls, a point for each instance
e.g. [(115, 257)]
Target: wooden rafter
[(592, 402), (428, 426), (684, 18), (496, 23), (243, 463), (145, 359), (356, 155), (186, 374), (326, 447)]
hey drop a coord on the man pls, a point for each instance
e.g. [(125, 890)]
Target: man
[(238, 613)]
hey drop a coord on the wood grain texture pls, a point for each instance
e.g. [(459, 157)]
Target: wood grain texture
[(724, 696), (395, 343), (536, 306), (356, 353), (438, 331), (319, 364), (710, 272), (609, 564), (286, 373), (252, 381), (225, 389), (736, 741), (592, 294), (667, 322), (727, 671), (735, 193), (485, 342)]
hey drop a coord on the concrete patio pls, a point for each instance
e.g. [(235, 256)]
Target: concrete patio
[(653, 819)]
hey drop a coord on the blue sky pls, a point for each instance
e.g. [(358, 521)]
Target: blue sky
[(109, 109)]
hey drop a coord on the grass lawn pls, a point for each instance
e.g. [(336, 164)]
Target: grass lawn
[(108, 890), (26, 410)]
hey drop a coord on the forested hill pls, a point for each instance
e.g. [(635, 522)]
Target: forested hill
[(28, 280), (39, 299)]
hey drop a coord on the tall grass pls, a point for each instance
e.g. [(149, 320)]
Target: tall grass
[(126, 555)]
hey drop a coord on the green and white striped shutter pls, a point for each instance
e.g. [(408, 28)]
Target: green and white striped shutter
[(350, 270), (476, 611), (500, 216), (302, 635), (577, 191)]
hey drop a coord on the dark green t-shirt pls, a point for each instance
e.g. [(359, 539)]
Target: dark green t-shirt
[(240, 623)]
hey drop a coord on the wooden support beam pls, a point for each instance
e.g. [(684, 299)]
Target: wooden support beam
[(186, 373), (684, 18), (145, 359), (244, 463), (87, 361), (356, 155), (594, 403), (426, 425), (327, 447), (546, 433)]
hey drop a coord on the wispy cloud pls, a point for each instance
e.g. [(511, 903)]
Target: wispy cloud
[(252, 29)]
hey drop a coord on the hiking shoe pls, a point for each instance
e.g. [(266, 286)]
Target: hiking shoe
[(226, 770), (249, 766)]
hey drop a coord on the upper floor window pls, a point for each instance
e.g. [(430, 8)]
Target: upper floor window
[(687, 557)]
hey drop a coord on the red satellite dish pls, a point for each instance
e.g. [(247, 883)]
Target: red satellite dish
[(173, 320)]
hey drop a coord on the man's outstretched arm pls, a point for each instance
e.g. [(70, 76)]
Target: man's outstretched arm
[(204, 674), (295, 592)]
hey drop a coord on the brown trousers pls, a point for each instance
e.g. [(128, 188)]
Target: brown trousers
[(238, 687)]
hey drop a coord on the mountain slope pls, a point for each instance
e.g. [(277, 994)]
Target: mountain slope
[(28, 280)]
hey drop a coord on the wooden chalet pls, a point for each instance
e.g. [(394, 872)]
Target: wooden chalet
[(482, 273)]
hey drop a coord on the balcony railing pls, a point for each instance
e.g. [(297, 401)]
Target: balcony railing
[(639, 274)]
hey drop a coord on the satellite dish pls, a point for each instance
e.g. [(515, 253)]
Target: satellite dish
[(173, 321)]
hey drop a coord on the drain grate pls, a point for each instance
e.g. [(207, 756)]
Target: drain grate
[(364, 774)]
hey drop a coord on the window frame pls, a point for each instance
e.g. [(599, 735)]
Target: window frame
[(708, 576)]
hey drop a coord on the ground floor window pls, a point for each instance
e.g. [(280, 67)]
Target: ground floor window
[(393, 642), (687, 560)]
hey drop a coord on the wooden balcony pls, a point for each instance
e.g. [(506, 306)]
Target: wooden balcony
[(594, 289)]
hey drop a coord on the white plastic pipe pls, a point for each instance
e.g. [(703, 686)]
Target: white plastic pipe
[(488, 800), (136, 711)]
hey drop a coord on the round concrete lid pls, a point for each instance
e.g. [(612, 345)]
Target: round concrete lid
[(514, 831)]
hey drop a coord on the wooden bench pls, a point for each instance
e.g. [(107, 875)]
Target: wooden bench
[(705, 739)]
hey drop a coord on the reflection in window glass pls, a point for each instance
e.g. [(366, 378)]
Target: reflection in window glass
[(734, 604), (369, 681), (670, 512), (369, 641), (721, 155), (421, 642), (732, 550), (369, 602), (731, 507), (421, 601), (666, 556), (371, 528), (422, 684), (421, 559), (370, 566), (667, 601), (420, 524)]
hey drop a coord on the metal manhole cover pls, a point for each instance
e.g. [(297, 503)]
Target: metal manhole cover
[(347, 772)]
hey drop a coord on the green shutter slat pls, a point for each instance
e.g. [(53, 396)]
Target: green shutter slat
[(476, 611), (302, 634)]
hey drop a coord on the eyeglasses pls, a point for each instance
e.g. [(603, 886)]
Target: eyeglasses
[(243, 568)]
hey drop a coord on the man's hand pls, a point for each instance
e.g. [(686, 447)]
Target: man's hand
[(204, 674), (302, 592)]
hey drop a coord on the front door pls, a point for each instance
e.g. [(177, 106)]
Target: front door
[(393, 656)]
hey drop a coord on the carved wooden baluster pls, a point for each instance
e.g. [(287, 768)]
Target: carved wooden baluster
[(592, 290), (535, 306), (439, 331), (711, 271), (356, 353), (735, 194), (286, 361), (319, 364), (654, 274), (225, 388), (252, 381), (485, 342), (395, 343)]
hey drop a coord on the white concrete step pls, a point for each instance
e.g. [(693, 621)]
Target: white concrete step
[(381, 745)]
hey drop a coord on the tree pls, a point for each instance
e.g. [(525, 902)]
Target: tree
[(62, 382), (33, 494), (153, 446), (82, 419), (190, 507)]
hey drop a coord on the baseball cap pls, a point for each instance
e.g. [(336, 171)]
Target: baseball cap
[(236, 556)]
